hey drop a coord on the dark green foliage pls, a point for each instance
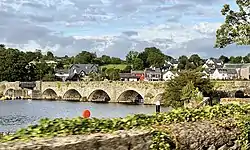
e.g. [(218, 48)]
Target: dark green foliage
[(13, 65), (44, 72), (49, 56), (131, 56), (191, 63), (85, 57), (137, 64), (224, 59), (112, 74), (236, 28), (155, 57), (161, 136), (172, 95), (105, 59), (236, 60), (127, 69)]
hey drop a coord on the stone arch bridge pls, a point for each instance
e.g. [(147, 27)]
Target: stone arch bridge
[(96, 91), (105, 91)]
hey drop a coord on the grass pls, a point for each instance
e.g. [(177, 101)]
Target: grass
[(115, 66)]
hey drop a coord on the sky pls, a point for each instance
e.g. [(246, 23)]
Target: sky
[(114, 27)]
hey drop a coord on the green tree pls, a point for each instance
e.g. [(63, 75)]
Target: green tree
[(236, 28), (248, 55), (31, 56), (60, 65), (131, 56), (155, 57), (44, 72), (98, 61), (105, 59), (50, 56), (172, 96), (115, 60), (196, 61), (31, 73), (224, 59), (127, 69), (190, 95), (183, 61), (144, 56), (187, 91), (112, 74), (137, 64), (49, 77), (13, 65), (95, 76), (2, 46), (85, 58), (246, 59), (235, 60), (38, 55)]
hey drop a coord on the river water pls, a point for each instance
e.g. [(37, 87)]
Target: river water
[(16, 114)]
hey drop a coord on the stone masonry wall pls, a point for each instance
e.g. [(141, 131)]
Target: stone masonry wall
[(150, 91), (234, 100), (186, 136)]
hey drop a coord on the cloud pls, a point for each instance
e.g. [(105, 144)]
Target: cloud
[(113, 27)]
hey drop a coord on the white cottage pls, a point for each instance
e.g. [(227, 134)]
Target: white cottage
[(224, 74), (168, 75)]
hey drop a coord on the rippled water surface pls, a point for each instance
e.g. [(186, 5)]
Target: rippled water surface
[(16, 114)]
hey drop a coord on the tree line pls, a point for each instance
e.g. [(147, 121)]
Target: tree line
[(16, 65)]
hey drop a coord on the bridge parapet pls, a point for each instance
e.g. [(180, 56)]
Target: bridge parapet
[(112, 91), (115, 90)]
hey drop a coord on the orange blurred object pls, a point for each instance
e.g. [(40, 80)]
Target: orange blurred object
[(86, 114)]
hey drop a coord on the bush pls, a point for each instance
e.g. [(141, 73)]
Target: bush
[(173, 95), (155, 123)]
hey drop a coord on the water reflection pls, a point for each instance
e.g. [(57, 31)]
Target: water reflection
[(16, 114)]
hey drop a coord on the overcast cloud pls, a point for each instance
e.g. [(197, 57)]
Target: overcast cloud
[(114, 27)]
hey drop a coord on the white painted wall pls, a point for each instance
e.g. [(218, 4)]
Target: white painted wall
[(217, 75), (168, 75)]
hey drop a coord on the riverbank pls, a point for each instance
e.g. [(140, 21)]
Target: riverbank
[(16, 114), (218, 127), (191, 136)]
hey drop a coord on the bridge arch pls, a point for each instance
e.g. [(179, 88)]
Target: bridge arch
[(159, 97), (99, 95), (49, 94), (10, 92), (72, 94), (239, 94), (130, 96)]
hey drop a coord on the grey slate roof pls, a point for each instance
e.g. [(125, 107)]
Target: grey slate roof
[(174, 61), (217, 60), (232, 66), (86, 68), (231, 71), (157, 70), (214, 66), (221, 70)]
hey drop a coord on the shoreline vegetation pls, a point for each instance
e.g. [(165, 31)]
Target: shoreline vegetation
[(226, 116)]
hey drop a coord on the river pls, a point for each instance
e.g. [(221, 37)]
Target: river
[(16, 114)]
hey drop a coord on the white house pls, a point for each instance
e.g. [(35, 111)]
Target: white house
[(219, 74), (224, 74), (168, 75)]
